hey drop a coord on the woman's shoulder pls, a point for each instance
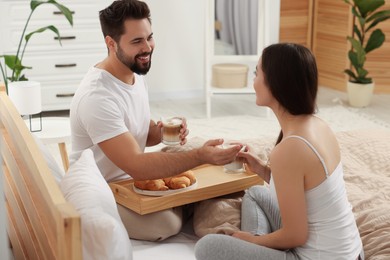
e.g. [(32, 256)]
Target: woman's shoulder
[(305, 149)]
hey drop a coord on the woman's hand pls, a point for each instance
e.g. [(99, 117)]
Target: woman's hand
[(254, 163), (245, 236)]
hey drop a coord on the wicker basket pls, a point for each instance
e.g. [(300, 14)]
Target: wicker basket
[(230, 75)]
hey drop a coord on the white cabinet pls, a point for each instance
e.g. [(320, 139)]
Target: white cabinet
[(59, 68), (265, 18)]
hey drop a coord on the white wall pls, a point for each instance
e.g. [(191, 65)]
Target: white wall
[(178, 60)]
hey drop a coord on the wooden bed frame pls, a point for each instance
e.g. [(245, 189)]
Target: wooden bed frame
[(41, 223)]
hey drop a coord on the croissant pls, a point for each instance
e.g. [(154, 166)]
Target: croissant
[(155, 185), (190, 175), (177, 182), (180, 181)]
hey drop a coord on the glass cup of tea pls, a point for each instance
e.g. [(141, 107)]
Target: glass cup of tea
[(170, 131)]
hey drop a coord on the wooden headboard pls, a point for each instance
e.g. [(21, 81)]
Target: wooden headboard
[(41, 223)]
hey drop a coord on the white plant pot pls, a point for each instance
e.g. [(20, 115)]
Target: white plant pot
[(360, 95), (26, 96)]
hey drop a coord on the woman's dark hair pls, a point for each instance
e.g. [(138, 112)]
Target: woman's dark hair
[(290, 72), (113, 17)]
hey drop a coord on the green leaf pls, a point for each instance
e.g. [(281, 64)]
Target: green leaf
[(351, 74), (40, 30), (359, 17), (22, 78), (364, 80), (375, 41), (366, 7), (63, 9), (35, 4), (355, 11), (11, 61), (362, 73), (354, 60), (15, 64), (366, 17), (377, 19), (357, 32), (357, 46), (380, 14)]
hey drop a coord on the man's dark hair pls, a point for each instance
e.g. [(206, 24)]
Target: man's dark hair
[(113, 17)]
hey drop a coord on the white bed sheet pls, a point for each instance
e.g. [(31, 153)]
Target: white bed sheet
[(178, 247)]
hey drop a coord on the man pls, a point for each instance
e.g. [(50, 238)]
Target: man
[(110, 114)]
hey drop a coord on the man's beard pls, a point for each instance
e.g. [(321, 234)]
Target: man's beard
[(132, 64)]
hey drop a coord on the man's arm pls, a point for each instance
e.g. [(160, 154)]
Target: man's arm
[(125, 153)]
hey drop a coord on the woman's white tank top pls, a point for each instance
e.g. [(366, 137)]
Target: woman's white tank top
[(333, 233)]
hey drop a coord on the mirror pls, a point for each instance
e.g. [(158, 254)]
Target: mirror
[(236, 27)]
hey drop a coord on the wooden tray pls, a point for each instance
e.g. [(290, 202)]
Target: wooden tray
[(212, 182)]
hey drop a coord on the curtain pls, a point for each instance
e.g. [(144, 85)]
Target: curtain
[(239, 19)]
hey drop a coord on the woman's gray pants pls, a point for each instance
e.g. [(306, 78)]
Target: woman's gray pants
[(260, 215)]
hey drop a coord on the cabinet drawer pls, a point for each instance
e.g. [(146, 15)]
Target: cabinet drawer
[(58, 68), (18, 12), (84, 38), (57, 97), (61, 65), (85, 33)]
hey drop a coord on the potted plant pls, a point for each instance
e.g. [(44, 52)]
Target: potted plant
[(365, 38), (14, 62)]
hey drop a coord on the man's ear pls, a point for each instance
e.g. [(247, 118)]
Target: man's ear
[(110, 42)]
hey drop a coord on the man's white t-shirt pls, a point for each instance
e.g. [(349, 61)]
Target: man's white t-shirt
[(104, 107)]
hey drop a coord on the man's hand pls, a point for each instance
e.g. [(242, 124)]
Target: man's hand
[(183, 132), (154, 135), (211, 153)]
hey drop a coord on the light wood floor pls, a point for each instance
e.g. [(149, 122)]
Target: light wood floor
[(226, 105)]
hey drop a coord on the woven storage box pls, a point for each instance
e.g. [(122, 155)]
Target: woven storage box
[(229, 75)]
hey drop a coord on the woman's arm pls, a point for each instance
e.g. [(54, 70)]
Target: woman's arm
[(288, 168), (255, 165)]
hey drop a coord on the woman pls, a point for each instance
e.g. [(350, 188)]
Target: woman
[(305, 213)]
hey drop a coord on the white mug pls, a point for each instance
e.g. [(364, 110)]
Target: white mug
[(236, 166)]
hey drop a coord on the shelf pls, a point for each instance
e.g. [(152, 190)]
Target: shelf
[(246, 90), (235, 59), (268, 14)]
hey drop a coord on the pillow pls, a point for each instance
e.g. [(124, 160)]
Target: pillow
[(57, 171), (103, 233), (217, 216)]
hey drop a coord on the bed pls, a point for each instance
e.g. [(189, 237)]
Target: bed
[(46, 223), (366, 162)]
